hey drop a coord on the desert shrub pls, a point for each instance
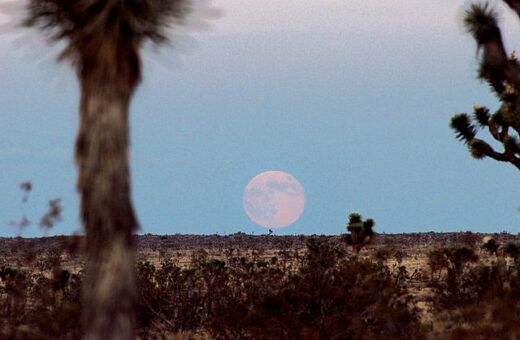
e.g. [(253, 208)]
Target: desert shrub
[(477, 301), (493, 314), (382, 254), (469, 239), (330, 297), (457, 285), (399, 256), (168, 296), (37, 306)]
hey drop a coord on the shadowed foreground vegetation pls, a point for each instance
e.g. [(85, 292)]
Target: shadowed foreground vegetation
[(249, 290)]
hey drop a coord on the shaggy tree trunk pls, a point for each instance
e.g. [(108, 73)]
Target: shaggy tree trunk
[(103, 39), (106, 208)]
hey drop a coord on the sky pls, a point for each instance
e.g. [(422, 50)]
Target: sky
[(353, 98)]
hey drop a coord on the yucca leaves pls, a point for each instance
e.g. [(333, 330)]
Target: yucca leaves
[(481, 21), (138, 19), (479, 149), (354, 218), (97, 32), (464, 130), (481, 115)]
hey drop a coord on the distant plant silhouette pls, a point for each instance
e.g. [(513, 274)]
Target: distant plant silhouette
[(490, 245), (502, 73), (330, 296), (361, 232)]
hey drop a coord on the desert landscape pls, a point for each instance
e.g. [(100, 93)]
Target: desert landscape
[(407, 286), (286, 116)]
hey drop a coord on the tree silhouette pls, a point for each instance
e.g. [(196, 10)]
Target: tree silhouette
[(361, 233), (502, 73), (103, 42)]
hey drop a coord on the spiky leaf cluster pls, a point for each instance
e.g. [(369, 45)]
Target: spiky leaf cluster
[(464, 130), (481, 22), (103, 37), (481, 115), (502, 73), (138, 19)]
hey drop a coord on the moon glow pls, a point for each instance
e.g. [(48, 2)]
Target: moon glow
[(274, 199)]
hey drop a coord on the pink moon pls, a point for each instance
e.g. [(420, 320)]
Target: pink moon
[(274, 199)]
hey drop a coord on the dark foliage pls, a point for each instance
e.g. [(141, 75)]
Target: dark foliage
[(325, 294), (361, 232), (328, 296), (39, 305), (477, 302), (457, 285)]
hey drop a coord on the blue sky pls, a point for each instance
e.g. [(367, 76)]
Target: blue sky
[(353, 98)]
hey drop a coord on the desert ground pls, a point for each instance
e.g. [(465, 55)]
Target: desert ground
[(405, 258)]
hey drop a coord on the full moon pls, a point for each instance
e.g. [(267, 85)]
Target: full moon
[(274, 199)]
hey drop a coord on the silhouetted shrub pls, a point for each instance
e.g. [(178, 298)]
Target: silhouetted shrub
[(326, 293), (457, 284), (361, 232), (330, 297)]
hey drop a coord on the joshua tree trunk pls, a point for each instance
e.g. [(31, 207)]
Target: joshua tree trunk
[(102, 157), (103, 40)]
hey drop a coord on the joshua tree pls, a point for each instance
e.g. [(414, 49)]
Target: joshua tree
[(502, 72), (361, 233), (103, 41)]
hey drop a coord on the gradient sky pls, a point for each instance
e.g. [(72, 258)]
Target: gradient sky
[(353, 98)]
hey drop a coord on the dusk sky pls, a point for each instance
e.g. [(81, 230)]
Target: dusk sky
[(353, 98)]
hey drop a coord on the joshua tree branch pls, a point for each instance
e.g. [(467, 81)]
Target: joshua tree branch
[(503, 136), (515, 161), (506, 156), (494, 55)]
